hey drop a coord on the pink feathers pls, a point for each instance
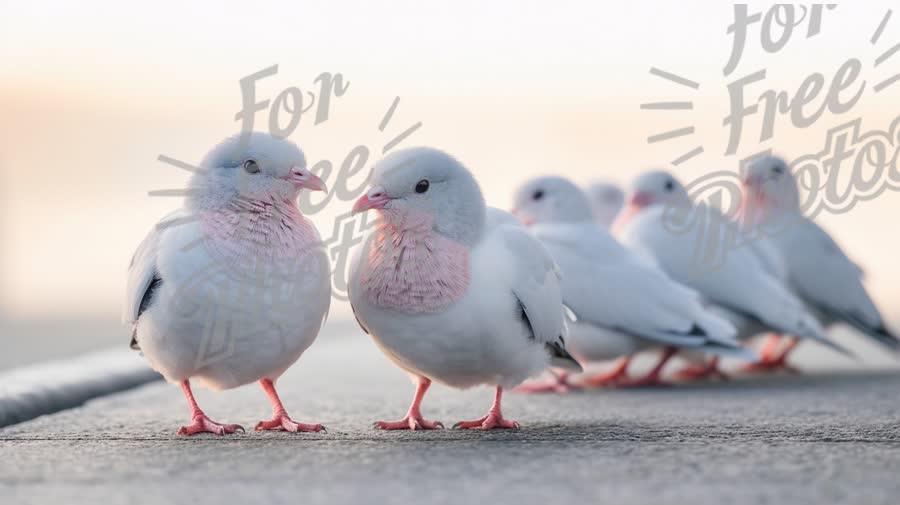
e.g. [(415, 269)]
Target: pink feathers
[(247, 232), (414, 269)]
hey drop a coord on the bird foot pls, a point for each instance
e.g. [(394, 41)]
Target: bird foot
[(648, 381), (605, 379), (410, 422), (202, 424), (560, 385), (695, 373), (488, 422), (283, 422), (769, 365), (547, 387)]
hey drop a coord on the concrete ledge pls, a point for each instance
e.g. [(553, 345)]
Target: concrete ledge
[(45, 388)]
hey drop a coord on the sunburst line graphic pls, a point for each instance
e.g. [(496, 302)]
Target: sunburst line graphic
[(677, 79), (674, 105), (881, 27), (183, 192), (881, 86)]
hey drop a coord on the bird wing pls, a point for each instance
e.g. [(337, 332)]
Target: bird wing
[(536, 287), (737, 280), (610, 286), (143, 276), (827, 279)]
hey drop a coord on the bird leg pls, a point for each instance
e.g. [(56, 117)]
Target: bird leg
[(560, 384), (413, 420), (709, 370), (770, 359), (654, 377), (493, 419), (199, 422), (280, 419), (612, 377)]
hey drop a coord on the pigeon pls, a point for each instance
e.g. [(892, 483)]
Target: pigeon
[(450, 291), (607, 200), (661, 219), (816, 267), (234, 286), (622, 303)]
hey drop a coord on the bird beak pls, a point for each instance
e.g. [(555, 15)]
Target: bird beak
[(524, 219), (376, 198), (637, 203), (303, 179)]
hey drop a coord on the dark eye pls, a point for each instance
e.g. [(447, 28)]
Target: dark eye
[(538, 194), (669, 186), (777, 169), (422, 186), (251, 167)]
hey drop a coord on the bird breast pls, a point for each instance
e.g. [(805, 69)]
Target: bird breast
[(414, 270)]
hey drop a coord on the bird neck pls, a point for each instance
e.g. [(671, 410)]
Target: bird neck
[(414, 269), (245, 229)]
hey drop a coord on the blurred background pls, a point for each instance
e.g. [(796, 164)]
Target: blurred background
[(92, 93)]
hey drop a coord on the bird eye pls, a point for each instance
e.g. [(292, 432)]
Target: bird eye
[(422, 186), (669, 186), (538, 194), (777, 169), (251, 167)]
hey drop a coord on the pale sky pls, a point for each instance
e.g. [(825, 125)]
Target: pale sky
[(93, 92)]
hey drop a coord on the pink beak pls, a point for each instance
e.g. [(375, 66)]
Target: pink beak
[(304, 179), (525, 220), (376, 198), (638, 201)]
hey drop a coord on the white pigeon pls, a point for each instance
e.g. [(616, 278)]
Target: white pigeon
[(817, 269), (739, 283), (622, 303), (607, 200), (447, 295), (233, 287)]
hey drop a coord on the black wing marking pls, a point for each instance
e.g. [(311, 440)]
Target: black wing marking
[(559, 356), (146, 300), (880, 334)]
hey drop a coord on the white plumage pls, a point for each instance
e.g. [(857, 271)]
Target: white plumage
[(741, 281), (622, 301), (232, 288), (506, 322), (815, 265)]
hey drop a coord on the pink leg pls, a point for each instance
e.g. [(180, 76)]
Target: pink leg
[(707, 371), (413, 420), (280, 419), (493, 419), (199, 422), (654, 377), (561, 384), (612, 377), (772, 360)]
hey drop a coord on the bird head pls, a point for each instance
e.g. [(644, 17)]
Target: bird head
[(259, 167), (606, 200), (426, 188), (551, 199), (656, 187), (768, 188)]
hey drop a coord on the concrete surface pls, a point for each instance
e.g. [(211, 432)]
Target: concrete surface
[(830, 437)]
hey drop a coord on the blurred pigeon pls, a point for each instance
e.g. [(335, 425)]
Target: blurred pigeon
[(233, 287), (622, 303), (606, 202), (817, 269), (450, 293), (661, 219)]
